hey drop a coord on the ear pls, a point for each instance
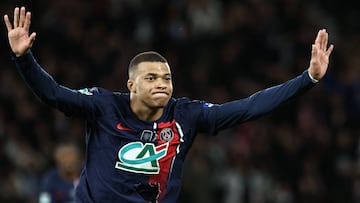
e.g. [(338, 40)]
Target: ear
[(131, 86)]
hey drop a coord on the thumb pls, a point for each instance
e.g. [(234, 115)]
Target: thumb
[(32, 38)]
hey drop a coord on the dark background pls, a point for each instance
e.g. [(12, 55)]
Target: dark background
[(305, 151)]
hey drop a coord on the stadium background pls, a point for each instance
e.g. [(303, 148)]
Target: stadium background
[(306, 151)]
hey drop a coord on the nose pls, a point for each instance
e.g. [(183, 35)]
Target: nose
[(161, 84)]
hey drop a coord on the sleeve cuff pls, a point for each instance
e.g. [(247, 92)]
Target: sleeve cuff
[(312, 79), (22, 57)]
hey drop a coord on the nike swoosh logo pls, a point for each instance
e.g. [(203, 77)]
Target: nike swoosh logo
[(121, 127)]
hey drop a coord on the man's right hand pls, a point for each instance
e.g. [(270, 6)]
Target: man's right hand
[(19, 39)]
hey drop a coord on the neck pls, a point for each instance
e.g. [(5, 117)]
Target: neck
[(150, 115), (145, 113)]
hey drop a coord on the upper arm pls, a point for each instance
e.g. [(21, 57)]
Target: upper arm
[(215, 117), (71, 102), (218, 117), (75, 103)]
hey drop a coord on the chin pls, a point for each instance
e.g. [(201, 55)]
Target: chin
[(161, 103)]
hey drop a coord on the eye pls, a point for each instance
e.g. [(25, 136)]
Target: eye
[(167, 78), (151, 78)]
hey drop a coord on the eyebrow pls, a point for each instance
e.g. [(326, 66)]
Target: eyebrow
[(155, 74)]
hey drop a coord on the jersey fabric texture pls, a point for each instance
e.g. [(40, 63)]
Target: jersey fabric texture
[(129, 160)]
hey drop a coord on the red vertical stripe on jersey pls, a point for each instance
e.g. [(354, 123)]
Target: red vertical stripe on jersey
[(165, 163)]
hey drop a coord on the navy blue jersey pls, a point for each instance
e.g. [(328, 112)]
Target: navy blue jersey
[(55, 189), (129, 160)]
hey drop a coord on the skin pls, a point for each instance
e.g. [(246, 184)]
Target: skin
[(150, 87), (67, 159), (149, 96)]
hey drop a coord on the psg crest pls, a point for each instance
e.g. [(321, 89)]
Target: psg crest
[(166, 135)]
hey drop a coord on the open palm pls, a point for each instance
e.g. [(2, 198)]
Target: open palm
[(18, 34), (320, 55)]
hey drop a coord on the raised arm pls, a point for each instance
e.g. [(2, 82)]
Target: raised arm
[(18, 33), (71, 102), (218, 117)]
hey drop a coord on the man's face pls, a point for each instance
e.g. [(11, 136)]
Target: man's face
[(67, 158), (151, 84)]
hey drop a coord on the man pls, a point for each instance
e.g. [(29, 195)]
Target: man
[(59, 183), (137, 141)]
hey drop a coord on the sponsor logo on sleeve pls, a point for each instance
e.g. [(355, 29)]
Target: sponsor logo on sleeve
[(207, 105), (85, 91)]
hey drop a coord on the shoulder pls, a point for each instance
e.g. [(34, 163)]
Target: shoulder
[(191, 106), (102, 92), (184, 101), (90, 91)]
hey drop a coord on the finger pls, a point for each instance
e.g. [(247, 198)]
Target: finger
[(326, 39), (318, 39), (314, 51), (32, 38), (27, 21), (329, 51), (322, 40), (16, 17), (22, 17), (7, 23)]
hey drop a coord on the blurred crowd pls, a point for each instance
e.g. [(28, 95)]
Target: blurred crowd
[(219, 50)]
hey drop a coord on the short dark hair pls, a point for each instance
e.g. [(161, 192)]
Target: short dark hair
[(150, 56)]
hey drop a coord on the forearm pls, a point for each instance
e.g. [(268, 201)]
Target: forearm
[(37, 79), (260, 103), (48, 90), (266, 100)]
